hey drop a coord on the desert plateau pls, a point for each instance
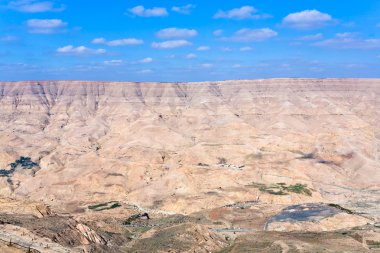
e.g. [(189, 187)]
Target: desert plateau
[(265, 165)]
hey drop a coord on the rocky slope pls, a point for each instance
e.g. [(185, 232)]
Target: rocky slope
[(185, 148)]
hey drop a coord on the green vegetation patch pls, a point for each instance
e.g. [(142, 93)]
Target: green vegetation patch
[(24, 162), (299, 189), (373, 244), (6, 173), (283, 189), (105, 206)]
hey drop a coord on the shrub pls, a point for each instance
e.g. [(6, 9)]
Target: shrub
[(282, 188), (222, 160), (105, 206), (24, 162)]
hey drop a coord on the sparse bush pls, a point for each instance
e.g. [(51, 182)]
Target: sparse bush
[(299, 188), (222, 160), (307, 156), (97, 206), (282, 188), (135, 217), (105, 206), (24, 162)]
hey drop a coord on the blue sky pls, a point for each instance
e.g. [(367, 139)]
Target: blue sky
[(175, 40)]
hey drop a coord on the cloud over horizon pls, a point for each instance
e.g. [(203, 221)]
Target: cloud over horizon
[(45, 26), (141, 11), (181, 39), (119, 42), (178, 33), (349, 41), (169, 44), (186, 9), (80, 50), (250, 35), (307, 19), (34, 6), (244, 12)]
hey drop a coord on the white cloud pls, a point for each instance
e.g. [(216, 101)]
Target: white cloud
[(378, 25), (317, 36), (120, 42), (203, 48), (146, 60), (191, 56), (307, 19), (99, 41), (8, 38), (172, 56), (245, 49), (113, 62), (263, 65), (45, 26), (226, 49), (186, 9), (153, 12), (145, 71), (17, 66), (33, 6), (244, 12), (285, 66), (207, 65), (169, 33), (355, 66), (218, 32), (236, 66), (123, 42), (345, 35), (81, 50), (247, 35), (171, 44), (349, 41), (316, 69)]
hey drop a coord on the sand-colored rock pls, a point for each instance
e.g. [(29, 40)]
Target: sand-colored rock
[(89, 235), (190, 148), (23, 239), (188, 237), (104, 141)]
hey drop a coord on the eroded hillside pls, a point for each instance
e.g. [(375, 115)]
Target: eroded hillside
[(195, 150)]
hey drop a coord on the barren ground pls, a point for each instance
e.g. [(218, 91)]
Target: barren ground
[(277, 165)]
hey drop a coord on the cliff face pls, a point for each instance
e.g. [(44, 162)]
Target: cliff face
[(183, 147)]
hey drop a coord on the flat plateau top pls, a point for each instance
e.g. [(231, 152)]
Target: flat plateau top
[(256, 81)]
